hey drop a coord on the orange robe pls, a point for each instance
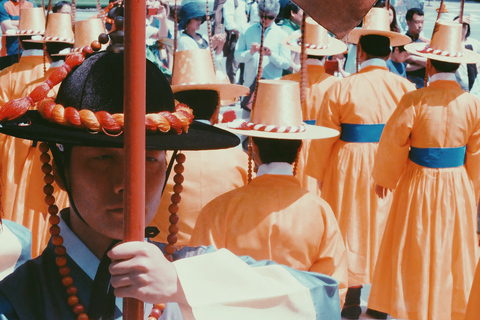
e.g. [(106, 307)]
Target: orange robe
[(208, 174), (274, 218), (428, 254), (473, 306), (19, 200), (366, 97), (318, 81)]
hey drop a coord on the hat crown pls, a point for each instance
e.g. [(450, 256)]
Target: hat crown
[(59, 26), (87, 31), (193, 67), (447, 36), (315, 33), (31, 19), (277, 103), (377, 19)]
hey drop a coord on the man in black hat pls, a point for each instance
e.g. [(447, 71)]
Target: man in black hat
[(79, 274)]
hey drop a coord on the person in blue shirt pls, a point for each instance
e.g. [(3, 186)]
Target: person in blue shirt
[(396, 63)]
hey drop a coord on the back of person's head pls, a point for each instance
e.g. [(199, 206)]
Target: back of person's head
[(204, 103), (411, 12), (269, 6), (400, 49), (29, 45), (59, 5), (375, 45), (442, 66), (55, 47), (277, 150), (288, 9)]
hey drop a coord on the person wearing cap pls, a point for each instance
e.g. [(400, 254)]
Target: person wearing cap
[(269, 217), (276, 57), (9, 20), (89, 164), (429, 153), (358, 106), (318, 45), (211, 173)]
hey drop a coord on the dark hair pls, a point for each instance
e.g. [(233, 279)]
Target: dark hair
[(394, 25), (277, 150), (202, 102), (29, 45), (400, 49), (286, 12), (468, 26), (412, 11), (443, 66), (375, 45), (59, 5), (56, 47)]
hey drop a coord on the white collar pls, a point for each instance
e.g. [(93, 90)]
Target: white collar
[(277, 168), (57, 64), (373, 62), (32, 52), (204, 121), (443, 76)]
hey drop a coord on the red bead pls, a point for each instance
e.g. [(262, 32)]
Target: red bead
[(55, 230), (159, 306), (103, 38), (169, 257), (78, 309), (61, 261), (176, 198), (48, 178), (48, 189), (53, 209), (178, 188), (57, 240), (44, 158), (96, 45), (72, 300), (178, 178), (82, 316), (43, 147), (64, 271), (170, 248), (156, 313), (60, 251), (179, 168), (87, 50), (181, 158), (172, 238), (54, 220), (173, 228), (49, 199), (46, 168), (72, 290), (174, 218), (152, 318), (67, 281), (173, 208)]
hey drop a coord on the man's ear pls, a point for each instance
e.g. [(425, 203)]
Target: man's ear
[(57, 176)]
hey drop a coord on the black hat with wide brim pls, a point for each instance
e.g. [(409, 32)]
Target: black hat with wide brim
[(97, 85)]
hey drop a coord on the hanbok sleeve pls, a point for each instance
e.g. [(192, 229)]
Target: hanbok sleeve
[(472, 157), (320, 150), (394, 145), (220, 285)]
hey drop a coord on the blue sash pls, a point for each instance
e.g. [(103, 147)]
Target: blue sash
[(311, 122), (361, 132), (438, 157)]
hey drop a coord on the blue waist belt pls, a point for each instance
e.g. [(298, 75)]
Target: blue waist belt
[(438, 157), (311, 122), (361, 132)]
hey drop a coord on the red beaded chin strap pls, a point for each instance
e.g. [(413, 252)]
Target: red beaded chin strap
[(57, 240), (250, 160)]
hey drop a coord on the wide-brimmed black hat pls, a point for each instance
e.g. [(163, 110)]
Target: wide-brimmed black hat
[(97, 85)]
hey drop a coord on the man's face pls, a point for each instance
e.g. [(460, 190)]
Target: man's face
[(267, 18), (416, 25), (96, 179)]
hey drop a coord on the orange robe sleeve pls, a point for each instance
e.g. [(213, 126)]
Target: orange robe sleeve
[(472, 157)]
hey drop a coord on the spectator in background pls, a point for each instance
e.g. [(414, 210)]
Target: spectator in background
[(396, 63), (292, 19), (467, 73), (62, 7), (416, 64), (9, 18)]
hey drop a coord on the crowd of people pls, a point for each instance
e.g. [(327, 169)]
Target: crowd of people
[(356, 164)]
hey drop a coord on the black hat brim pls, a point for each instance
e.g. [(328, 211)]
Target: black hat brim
[(200, 136)]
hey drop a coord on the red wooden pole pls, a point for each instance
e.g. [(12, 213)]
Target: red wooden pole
[(134, 108)]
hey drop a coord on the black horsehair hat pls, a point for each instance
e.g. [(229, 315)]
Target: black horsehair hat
[(93, 93)]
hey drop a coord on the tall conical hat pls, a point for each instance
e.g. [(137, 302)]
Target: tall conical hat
[(377, 22), (31, 22), (59, 29), (317, 41)]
